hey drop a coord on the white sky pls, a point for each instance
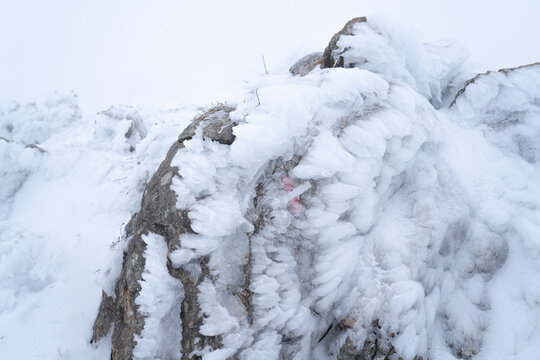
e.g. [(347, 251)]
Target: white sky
[(172, 53)]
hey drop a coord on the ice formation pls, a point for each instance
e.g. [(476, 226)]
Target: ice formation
[(377, 206)]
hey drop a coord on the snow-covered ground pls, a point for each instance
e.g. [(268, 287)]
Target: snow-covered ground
[(62, 209), (415, 210)]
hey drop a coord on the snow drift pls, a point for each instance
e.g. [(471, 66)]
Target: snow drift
[(375, 205)]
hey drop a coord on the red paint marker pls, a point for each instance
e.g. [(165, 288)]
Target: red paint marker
[(294, 204)]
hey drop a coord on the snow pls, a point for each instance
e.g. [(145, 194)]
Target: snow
[(381, 201), (325, 160), (338, 151), (61, 219), (159, 300), (432, 69)]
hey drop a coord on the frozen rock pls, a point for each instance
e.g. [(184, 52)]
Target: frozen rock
[(339, 214)]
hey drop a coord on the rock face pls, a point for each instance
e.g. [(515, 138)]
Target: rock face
[(333, 58), (309, 62), (159, 215), (323, 217)]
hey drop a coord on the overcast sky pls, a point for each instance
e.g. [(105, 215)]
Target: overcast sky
[(172, 53)]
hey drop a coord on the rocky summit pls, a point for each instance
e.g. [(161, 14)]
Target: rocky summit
[(378, 201), (374, 204)]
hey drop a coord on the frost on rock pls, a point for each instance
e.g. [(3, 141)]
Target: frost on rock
[(506, 104), (432, 69), (340, 215), (158, 215)]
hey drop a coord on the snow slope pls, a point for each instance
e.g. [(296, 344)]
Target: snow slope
[(384, 209)]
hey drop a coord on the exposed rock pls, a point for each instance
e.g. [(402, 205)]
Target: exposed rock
[(220, 130), (159, 215), (376, 345), (347, 323), (106, 316), (38, 148), (372, 350), (28, 146), (190, 313), (331, 59), (309, 62)]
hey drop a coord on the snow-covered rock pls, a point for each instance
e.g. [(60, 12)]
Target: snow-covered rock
[(341, 219), (434, 70), (361, 209)]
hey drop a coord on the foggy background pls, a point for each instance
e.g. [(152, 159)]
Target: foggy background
[(169, 53)]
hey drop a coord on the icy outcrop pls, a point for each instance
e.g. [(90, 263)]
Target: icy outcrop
[(506, 105), (158, 221), (341, 215), (434, 70)]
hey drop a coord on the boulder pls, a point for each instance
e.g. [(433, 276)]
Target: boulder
[(307, 63)]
